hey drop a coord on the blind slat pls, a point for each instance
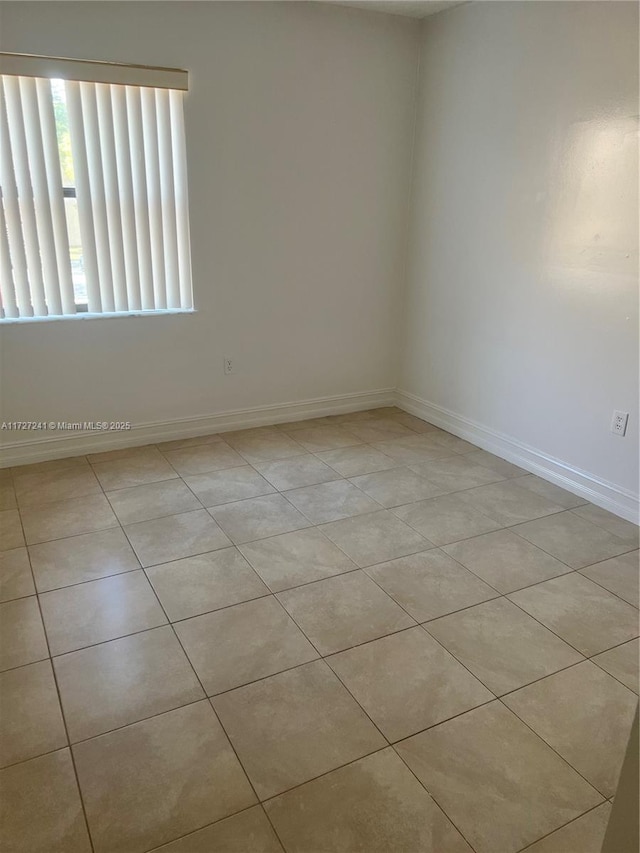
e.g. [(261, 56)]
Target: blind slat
[(178, 150), (29, 97), (125, 187), (96, 183), (7, 285), (25, 194), (56, 200), (12, 214), (149, 154), (167, 194), (140, 199), (112, 196), (83, 195)]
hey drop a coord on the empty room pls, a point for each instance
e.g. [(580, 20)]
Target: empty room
[(319, 447)]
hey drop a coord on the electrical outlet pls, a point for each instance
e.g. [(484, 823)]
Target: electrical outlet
[(619, 423), (228, 366)]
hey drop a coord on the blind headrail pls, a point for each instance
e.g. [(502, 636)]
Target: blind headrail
[(92, 71)]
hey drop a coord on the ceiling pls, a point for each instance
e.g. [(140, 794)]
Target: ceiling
[(408, 8)]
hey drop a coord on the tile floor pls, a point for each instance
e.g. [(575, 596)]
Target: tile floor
[(357, 634)]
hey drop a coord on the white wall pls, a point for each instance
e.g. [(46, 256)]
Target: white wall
[(299, 124), (522, 292)]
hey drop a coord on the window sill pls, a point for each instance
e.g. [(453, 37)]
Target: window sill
[(12, 321)]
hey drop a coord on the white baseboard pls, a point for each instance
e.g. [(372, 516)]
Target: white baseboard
[(620, 501), (44, 447)]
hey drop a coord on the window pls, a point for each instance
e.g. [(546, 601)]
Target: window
[(93, 183)]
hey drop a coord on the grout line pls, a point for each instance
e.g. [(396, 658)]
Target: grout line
[(433, 799), (553, 749), (59, 697), (568, 823), (205, 696)]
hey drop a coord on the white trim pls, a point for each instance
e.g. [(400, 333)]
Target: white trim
[(103, 315), (52, 446), (620, 501), (92, 71)]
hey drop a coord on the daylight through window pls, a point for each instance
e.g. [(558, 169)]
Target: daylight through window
[(93, 182)]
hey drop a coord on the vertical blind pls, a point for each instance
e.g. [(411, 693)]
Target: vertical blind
[(117, 239)]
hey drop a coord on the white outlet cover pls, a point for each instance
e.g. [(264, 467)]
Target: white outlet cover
[(619, 423)]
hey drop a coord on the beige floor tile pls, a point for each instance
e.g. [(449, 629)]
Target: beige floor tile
[(204, 458), (407, 682), (360, 459), (499, 783), (355, 417), (257, 518), (148, 466), (501, 645), (298, 471), (81, 558), (243, 643), (550, 491), (343, 611), (194, 441), (123, 681), (246, 832), (376, 806), (236, 436), (67, 518), (7, 493), (430, 584), (455, 473), (379, 429), (265, 445), (572, 539), (51, 465), (176, 536), (40, 808), (505, 560), (156, 780), (122, 453), (396, 486), (16, 580), (581, 612), (291, 426), (413, 423), (619, 527), (320, 438), (585, 715), (331, 501), (375, 537), (232, 484), (206, 582), (583, 835), (30, 717), (40, 487), (622, 662), (620, 575), (453, 443), (93, 612), (413, 449), (507, 503), (446, 519), (294, 726), (22, 638), (10, 530), (296, 558), (154, 500), (495, 463)]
